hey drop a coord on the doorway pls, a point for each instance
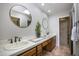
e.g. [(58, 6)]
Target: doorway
[(65, 25)]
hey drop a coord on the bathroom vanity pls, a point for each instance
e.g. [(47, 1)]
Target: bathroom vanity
[(40, 49)]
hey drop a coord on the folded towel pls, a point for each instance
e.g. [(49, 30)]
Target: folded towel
[(74, 34)]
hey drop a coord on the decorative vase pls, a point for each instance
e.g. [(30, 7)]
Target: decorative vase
[(38, 35)]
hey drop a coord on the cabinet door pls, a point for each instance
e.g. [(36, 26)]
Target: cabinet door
[(39, 50), (51, 44), (31, 52), (44, 43), (54, 42), (49, 47)]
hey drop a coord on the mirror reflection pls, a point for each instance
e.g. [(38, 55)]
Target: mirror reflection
[(20, 16)]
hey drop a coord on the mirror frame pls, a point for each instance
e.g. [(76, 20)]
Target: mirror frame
[(10, 15)]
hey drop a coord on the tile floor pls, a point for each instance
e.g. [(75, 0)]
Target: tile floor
[(61, 51)]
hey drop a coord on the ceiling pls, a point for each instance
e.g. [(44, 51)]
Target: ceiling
[(54, 7), (20, 9)]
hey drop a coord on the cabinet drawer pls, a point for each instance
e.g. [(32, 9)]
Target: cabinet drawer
[(39, 50), (34, 54), (45, 43), (39, 54), (39, 47), (49, 40), (30, 52)]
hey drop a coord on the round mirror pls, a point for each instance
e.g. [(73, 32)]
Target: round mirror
[(20, 16), (45, 23)]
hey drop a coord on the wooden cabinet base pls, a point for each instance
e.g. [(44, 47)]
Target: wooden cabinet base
[(41, 48), (51, 44), (31, 52)]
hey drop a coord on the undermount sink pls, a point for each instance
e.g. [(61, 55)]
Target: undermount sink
[(14, 46)]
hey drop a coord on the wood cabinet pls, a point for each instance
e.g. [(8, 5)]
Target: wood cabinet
[(51, 44), (41, 49), (31, 52), (54, 42), (44, 43)]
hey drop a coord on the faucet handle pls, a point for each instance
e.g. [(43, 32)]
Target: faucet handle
[(15, 38), (11, 40), (19, 38)]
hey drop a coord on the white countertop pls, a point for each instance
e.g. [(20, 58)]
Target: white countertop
[(5, 52)]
